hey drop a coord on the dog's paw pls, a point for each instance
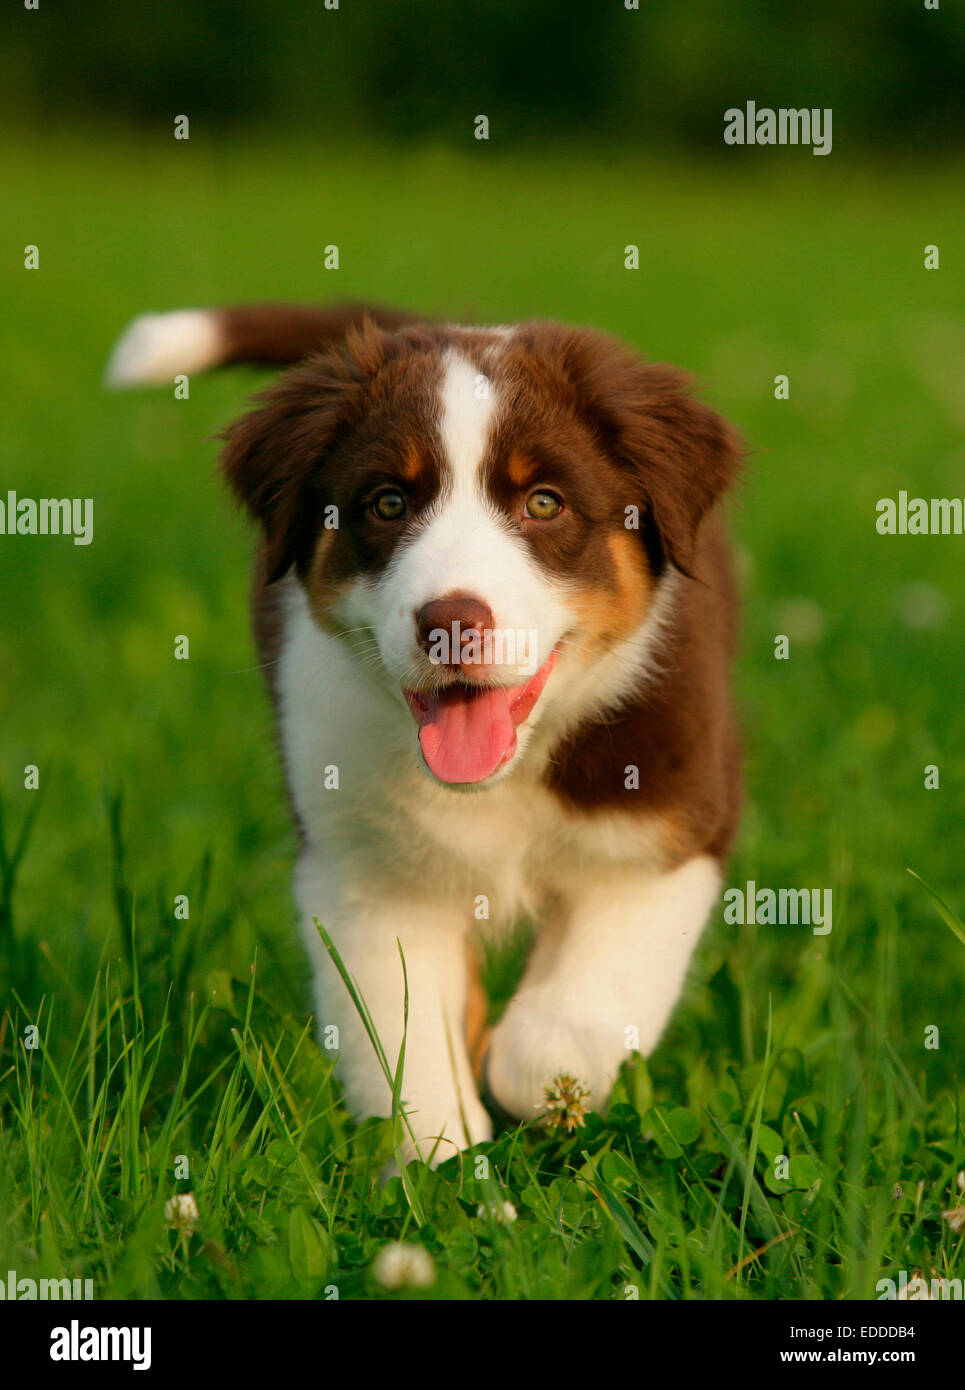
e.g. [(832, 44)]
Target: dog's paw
[(535, 1042), (438, 1134)]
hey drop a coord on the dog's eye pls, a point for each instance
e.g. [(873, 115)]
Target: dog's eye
[(543, 506), (389, 505)]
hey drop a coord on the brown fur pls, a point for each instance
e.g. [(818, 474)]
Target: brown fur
[(680, 732), (274, 335)]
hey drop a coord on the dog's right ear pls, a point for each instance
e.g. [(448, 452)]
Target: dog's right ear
[(274, 458)]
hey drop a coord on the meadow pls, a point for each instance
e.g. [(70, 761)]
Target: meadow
[(160, 1039)]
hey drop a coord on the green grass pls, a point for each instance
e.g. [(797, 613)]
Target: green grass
[(160, 1038)]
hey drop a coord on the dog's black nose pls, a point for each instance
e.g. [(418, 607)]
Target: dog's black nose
[(450, 621)]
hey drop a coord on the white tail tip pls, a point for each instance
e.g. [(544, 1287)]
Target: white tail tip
[(155, 348)]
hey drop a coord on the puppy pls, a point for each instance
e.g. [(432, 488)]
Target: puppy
[(494, 603)]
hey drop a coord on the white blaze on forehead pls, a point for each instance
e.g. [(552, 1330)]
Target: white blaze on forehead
[(464, 543), (467, 414)]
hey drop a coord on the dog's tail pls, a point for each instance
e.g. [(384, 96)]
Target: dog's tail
[(155, 348)]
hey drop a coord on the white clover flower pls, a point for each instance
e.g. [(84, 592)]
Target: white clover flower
[(565, 1103), (501, 1212), (801, 619), (181, 1213), (400, 1265), (921, 606)]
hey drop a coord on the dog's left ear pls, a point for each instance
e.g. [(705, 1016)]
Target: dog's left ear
[(681, 453)]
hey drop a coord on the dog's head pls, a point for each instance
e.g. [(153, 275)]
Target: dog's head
[(497, 508)]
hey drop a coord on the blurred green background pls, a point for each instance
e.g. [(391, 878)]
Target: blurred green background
[(354, 127), (658, 74)]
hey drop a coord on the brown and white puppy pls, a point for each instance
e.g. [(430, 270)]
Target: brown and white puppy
[(495, 606)]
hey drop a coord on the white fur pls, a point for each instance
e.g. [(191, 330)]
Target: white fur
[(369, 923), (604, 984), (393, 854), (155, 348)]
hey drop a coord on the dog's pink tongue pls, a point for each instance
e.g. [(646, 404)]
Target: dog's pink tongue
[(467, 734)]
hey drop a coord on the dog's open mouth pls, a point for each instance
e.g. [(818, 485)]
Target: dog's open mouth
[(467, 732)]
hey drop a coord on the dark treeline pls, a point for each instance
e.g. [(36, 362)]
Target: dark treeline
[(660, 74)]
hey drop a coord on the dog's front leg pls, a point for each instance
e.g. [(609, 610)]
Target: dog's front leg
[(367, 925), (602, 981)]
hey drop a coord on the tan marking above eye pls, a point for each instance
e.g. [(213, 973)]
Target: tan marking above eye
[(411, 463), (521, 468), (389, 505), (543, 506)]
